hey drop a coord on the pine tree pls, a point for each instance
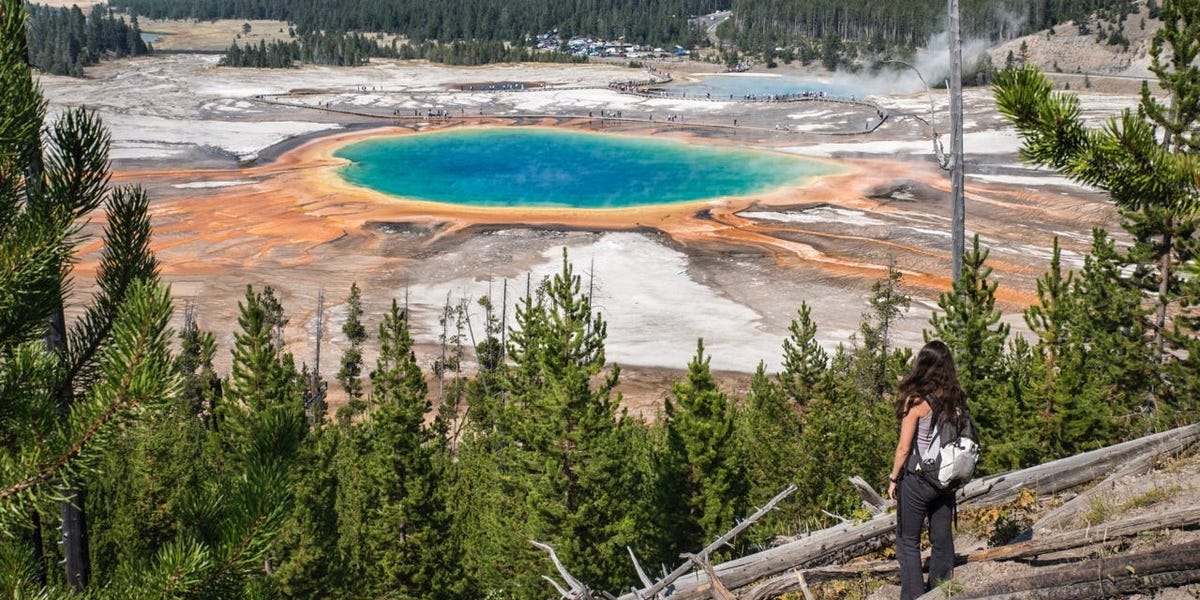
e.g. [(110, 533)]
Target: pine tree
[(1074, 414), (804, 361), (403, 534), (304, 556), (114, 364), (845, 433), (702, 439), (768, 427), (875, 368), (69, 391), (263, 376), (201, 391), (1144, 160), (350, 374), (564, 438), (1112, 334), (969, 323)]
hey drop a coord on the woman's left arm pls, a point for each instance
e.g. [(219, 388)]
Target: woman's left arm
[(908, 430)]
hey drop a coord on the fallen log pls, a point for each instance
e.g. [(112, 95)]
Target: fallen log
[(1111, 576), (1048, 478), (1066, 513), (1072, 471), (682, 570), (1079, 538)]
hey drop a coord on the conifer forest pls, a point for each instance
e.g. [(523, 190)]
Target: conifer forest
[(131, 467)]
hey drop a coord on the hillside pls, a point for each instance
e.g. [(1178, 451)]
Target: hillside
[(1082, 59)]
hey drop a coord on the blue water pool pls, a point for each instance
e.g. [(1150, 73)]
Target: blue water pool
[(539, 167)]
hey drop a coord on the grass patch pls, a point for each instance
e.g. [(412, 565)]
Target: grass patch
[(1099, 511), (1104, 508), (1150, 498), (950, 588), (848, 589)]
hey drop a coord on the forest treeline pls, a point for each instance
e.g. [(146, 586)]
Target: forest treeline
[(804, 29), (517, 21), (63, 41), (342, 49), (794, 29), (127, 459), (473, 32)]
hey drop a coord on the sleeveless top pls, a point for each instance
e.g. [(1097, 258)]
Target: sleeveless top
[(924, 434)]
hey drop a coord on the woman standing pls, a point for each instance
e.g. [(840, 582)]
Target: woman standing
[(928, 395)]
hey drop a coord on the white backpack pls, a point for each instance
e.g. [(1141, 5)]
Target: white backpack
[(949, 463)]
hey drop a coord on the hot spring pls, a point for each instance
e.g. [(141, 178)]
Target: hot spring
[(741, 85), (538, 167)]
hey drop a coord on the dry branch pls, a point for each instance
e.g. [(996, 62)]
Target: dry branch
[(577, 590), (872, 500), (682, 570), (1059, 542), (717, 590), (1072, 471)]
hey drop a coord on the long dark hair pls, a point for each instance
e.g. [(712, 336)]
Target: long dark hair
[(933, 379)]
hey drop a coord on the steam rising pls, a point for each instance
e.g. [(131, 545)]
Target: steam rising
[(932, 61)]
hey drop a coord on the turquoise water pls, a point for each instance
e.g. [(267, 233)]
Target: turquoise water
[(513, 167)]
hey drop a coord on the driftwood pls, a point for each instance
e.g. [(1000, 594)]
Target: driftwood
[(718, 591), (576, 591), (1048, 478), (798, 580), (1111, 576)]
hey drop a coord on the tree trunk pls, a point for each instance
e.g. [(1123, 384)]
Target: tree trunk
[(75, 541), (1065, 514), (957, 205), (1160, 321), (39, 548)]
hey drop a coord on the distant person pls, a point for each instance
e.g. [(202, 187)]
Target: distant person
[(929, 396)]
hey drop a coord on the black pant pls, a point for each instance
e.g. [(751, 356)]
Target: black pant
[(917, 500)]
